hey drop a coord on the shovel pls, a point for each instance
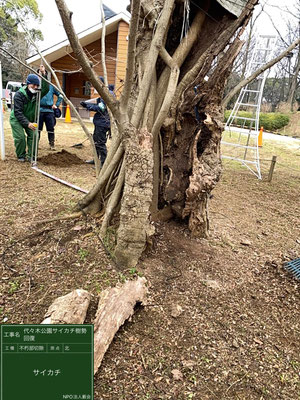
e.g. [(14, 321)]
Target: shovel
[(79, 145)]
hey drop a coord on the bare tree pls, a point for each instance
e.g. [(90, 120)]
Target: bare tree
[(165, 156), (255, 74), (294, 78), (287, 68)]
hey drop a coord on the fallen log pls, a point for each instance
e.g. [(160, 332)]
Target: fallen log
[(68, 309), (114, 307)]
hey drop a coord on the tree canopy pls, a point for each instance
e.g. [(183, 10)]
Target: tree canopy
[(14, 40)]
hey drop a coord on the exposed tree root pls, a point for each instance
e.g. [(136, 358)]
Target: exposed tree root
[(61, 218)]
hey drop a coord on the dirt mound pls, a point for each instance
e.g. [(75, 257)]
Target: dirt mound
[(62, 159)]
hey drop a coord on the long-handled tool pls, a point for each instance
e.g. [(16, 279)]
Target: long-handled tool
[(79, 145)]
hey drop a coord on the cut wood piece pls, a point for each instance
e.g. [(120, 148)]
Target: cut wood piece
[(115, 306), (69, 309)]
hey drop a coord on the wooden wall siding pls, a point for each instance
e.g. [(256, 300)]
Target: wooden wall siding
[(75, 81), (123, 31)]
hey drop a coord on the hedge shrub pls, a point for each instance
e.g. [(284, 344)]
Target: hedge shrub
[(270, 121)]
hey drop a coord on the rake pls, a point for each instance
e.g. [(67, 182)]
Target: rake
[(293, 267)]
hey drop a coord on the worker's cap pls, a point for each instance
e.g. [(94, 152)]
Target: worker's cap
[(32, 79)]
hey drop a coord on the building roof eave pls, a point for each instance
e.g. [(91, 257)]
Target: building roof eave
[(85, 37)]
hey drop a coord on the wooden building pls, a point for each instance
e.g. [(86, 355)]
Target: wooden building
[(62, 60)]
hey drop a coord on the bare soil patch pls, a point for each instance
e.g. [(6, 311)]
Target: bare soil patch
[(61, 159), (222, 318)]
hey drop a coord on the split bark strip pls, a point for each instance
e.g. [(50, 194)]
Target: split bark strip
[(68, 309), (115, 306), (162, 114), (131, 52)]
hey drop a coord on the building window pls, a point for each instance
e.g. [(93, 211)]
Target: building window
[(87, 88)]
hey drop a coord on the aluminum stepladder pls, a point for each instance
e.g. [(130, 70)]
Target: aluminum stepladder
[(245, 149), (35, 142)]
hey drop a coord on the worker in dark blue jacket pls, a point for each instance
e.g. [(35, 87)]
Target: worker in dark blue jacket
[(101, 122)]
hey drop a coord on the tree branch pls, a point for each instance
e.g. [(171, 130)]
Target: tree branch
[(214, 49), (155, 46), (133, 29), (103, 178), (266, 66), (180, 54), (103, 44), (173, 80)]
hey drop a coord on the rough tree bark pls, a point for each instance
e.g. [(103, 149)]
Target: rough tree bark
[(163, 156), (69, 309), (115, 306)]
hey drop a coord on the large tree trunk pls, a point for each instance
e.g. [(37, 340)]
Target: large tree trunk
[(164, 157), (134, 225)]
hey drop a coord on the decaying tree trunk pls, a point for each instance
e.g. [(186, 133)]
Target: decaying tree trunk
[(166, 152), (115, 306), (69, 309)]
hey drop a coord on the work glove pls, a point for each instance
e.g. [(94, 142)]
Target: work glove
[(82, 103)]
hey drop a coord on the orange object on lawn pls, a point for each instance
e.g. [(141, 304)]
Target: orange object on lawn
[(260, 137), (68, 114)]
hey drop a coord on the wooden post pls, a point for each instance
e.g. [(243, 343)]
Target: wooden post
[(247, 144), (272, 166)]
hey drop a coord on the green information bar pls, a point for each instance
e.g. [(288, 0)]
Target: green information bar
[(46, 362)]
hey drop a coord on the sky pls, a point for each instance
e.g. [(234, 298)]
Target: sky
[(87, 13)]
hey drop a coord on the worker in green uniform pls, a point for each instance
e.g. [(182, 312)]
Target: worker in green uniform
[(23, 115)]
